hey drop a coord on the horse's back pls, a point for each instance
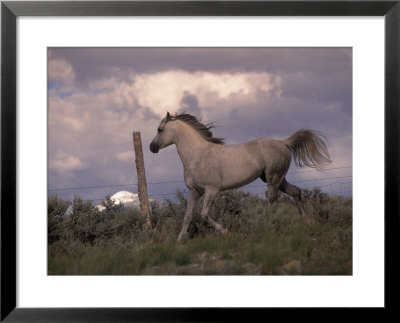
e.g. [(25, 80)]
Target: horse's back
[(262, 151)]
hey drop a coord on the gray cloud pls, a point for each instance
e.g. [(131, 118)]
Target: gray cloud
[(190, 104), (97, 62)]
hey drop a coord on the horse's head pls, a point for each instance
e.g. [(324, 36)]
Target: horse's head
[(164, 136)]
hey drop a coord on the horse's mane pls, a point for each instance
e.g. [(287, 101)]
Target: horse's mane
[(202, 129)]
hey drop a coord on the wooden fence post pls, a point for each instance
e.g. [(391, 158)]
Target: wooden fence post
[(142, 185)]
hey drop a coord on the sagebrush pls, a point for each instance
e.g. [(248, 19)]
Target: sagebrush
[(116, 242)]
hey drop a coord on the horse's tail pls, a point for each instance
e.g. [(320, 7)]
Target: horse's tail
[(308, 148)]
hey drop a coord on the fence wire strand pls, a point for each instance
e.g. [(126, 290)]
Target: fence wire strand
[(171, 182)]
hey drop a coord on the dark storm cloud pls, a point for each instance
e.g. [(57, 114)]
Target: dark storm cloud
[(277, 117), (190, 104), (148, 60), (334, 87)]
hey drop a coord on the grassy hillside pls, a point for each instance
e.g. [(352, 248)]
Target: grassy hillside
[(115, 242)]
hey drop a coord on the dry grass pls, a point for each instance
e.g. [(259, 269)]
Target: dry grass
[(279, 243)]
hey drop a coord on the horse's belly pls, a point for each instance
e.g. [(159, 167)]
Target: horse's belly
[(240, 166), (240, 179)]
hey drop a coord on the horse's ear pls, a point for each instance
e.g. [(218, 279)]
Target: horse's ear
[(168, 117)]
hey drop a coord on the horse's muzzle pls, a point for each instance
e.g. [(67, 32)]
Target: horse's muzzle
[(154, 148)]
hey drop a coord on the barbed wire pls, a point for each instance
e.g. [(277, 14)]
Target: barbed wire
[(341, 192), (170, 182), (185, 191), (252, 186), (244, 187), (317, 170), (305, 180)]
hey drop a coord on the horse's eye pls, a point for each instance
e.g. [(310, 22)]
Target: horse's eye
[(159, 130)]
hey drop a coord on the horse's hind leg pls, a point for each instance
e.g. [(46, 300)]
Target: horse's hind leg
[(209, 198), (272, 193), (273, 187), (272, 196), (294, 192)]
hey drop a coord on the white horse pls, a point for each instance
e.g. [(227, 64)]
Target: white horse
[(210, 166)]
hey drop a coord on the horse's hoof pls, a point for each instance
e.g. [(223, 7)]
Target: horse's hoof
[(181, 239)]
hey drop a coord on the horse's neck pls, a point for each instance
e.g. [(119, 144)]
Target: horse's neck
[(189, 144)]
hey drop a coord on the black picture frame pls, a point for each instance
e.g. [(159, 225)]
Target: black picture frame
[(10, 10)]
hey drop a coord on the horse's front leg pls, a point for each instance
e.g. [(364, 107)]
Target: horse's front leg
[(193, 195), (209, 198)]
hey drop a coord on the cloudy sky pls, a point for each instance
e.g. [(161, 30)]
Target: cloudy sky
[(98, 96)]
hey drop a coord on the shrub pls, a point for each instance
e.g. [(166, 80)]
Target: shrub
[(84, 240), (56, 211)]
